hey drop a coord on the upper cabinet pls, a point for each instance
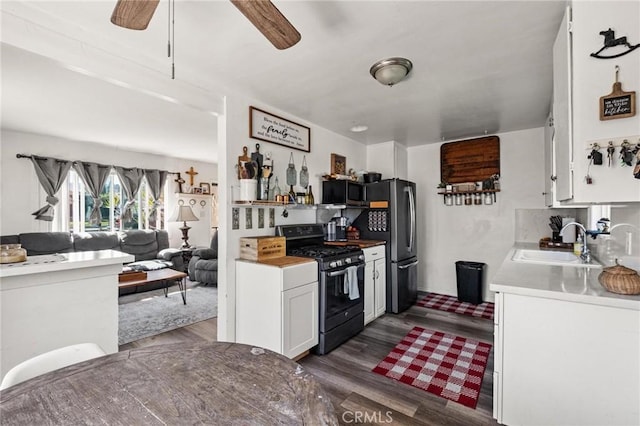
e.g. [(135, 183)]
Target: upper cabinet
[(580, 80), (379, 156), (561, 136)]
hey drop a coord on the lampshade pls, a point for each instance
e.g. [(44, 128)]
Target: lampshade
[(391, 71), (183, 214)]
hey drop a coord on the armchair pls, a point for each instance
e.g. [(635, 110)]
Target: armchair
[(203, 266)]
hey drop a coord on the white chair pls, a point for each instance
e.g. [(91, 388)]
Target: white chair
[(50, 361)]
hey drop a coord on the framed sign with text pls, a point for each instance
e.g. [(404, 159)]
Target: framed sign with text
[(272, 128), (618, 103)]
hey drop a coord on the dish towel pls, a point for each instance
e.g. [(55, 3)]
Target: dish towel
[(351, 283)]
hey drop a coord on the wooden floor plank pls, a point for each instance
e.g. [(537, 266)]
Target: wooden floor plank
[(346, 375)]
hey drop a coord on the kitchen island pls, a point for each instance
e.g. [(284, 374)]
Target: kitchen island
[(567, 351), (57, 300)]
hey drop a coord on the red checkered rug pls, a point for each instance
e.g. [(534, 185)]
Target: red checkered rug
[(443, 302), (440, 363)]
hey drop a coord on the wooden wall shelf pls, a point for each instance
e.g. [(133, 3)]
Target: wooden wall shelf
[(475, 191)]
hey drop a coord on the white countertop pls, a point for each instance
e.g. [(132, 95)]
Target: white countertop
[(64, 262), (570, 283)]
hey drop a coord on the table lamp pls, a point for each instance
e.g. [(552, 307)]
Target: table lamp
[(184, 214)]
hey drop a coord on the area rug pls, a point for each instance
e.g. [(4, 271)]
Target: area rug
[(446, 303), (147, 314), (443, 364)]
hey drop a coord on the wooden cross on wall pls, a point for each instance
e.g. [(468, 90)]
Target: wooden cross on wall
[(191, 172)]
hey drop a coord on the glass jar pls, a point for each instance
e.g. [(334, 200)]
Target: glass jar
[(477, 198), (467, 200), (448, 199), (488, 198), (458, 199)]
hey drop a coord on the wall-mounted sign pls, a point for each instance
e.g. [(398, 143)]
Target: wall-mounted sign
[(610, 40), (271, 128), (618, 103)]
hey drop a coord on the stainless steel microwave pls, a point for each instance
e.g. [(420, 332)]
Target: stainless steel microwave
[(343, 192)]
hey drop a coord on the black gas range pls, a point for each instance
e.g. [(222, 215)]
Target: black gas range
[(341, 281)]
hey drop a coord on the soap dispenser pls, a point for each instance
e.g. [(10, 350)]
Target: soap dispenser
[(577, 246)]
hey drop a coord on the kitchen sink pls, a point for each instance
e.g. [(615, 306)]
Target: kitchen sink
[(550, 257)]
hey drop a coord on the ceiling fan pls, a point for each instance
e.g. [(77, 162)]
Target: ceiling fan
[(136, 15)]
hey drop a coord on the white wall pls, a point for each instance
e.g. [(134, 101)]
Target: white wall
[(21, 193), (593, 78), (235, 131), (483, 233)]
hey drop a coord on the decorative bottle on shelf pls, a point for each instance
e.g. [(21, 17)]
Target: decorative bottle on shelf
[(276, 190), (309, 198), (292, 195)]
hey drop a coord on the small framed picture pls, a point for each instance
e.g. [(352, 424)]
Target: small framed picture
[(338, 164), (196, 190), (205, 187)]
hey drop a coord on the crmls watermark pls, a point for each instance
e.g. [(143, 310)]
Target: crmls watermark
[(367, 417)]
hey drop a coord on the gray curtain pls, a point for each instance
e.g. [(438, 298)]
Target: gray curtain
[(155, 181), (130, 180), (94, 177), (51, 173)]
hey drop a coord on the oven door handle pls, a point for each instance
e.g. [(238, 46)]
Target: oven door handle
[(343, 272), (409, 265)]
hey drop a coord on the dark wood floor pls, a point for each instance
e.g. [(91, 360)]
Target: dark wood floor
[(346, 375)]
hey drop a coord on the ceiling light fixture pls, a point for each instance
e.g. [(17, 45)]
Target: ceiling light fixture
[(391, 71), (359, 128)]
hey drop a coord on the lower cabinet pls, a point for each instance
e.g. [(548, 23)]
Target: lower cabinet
[(562, 362), (375, 283), (277, 307)]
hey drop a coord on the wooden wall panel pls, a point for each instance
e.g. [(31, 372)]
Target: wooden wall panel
[(470, 160)]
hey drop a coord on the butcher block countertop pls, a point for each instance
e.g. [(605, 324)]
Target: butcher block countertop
[(359, 243), (282, 262)]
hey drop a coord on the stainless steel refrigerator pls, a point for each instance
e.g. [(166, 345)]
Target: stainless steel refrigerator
[(395, 224)]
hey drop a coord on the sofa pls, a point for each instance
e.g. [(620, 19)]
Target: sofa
[(150, 248), (203, 266)]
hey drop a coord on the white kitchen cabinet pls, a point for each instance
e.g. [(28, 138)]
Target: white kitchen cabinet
[(375, 289), (388, 158), (561, 136), (277, 306), (579, 81), (549, 164), (563, 362)]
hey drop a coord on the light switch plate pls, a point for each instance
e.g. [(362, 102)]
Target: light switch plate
[(235, 218), (260, 217), (248, 218)]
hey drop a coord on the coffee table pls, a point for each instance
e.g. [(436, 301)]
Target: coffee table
[(167, 275)]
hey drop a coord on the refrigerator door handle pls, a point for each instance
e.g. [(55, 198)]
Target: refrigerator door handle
[(412, 215), (409, 265)]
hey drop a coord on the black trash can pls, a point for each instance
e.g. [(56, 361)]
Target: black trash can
[(469, 276)]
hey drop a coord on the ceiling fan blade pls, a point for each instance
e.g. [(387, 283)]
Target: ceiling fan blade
[(134, 14), (269, 21)]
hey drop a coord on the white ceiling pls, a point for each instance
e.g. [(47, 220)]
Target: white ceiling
[(478, 67)]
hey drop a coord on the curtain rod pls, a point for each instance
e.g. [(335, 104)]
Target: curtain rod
[(57, 159)]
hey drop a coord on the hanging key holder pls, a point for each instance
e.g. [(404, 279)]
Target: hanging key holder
[(304, 173), (291, 172)]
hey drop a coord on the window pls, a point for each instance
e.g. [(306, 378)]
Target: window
[(74, 214)]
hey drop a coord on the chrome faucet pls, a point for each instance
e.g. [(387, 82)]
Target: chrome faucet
[(585, 254)]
